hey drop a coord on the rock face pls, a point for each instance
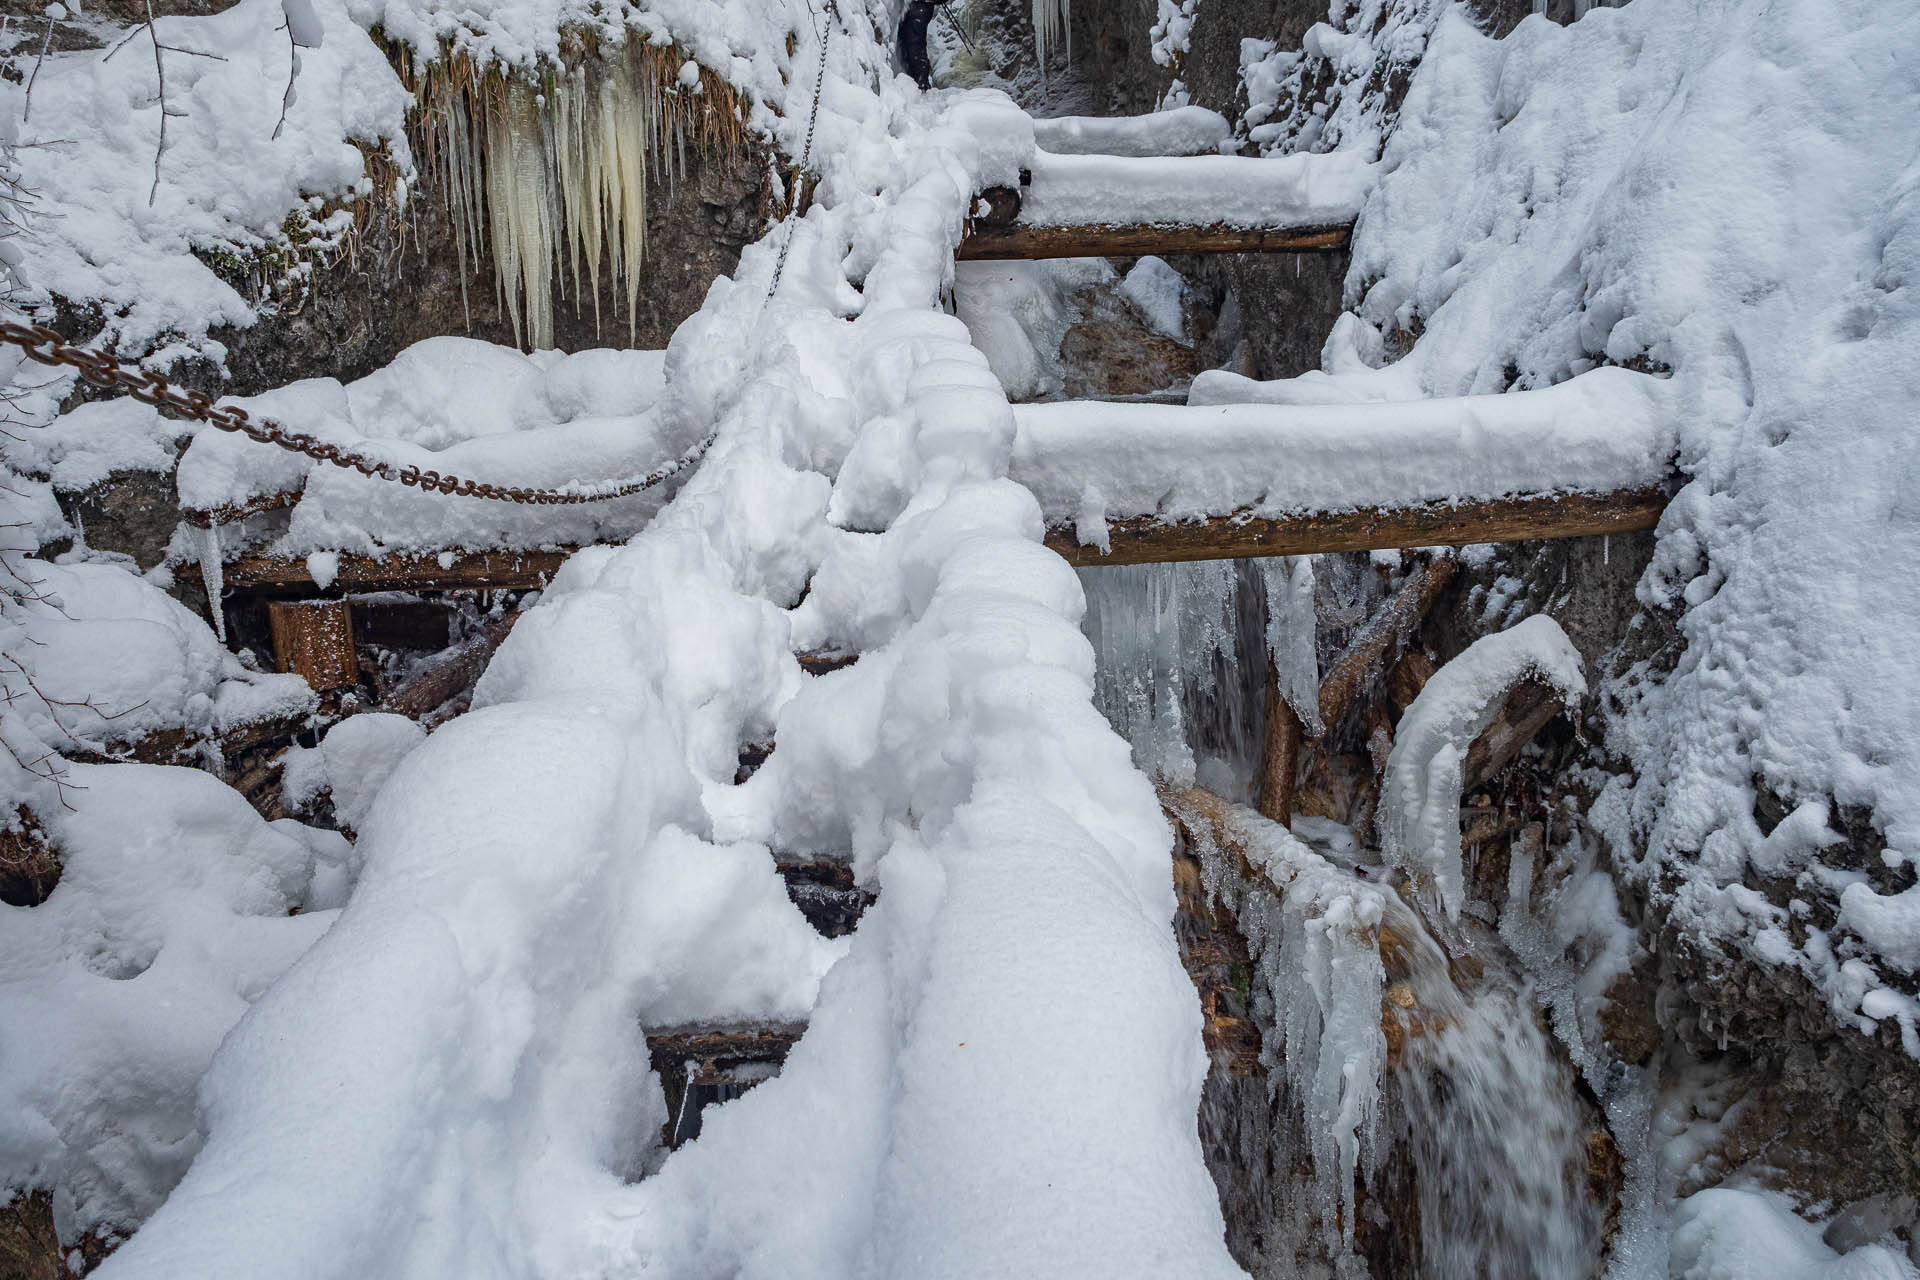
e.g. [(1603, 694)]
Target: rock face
[(132, 512), (405, 284)]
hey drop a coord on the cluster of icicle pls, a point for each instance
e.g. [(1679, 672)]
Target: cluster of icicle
[(1052, 25), (1180, 641), (553, 180), (1314, 941)]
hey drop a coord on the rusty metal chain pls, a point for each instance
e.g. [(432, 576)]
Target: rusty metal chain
[(48, 347)]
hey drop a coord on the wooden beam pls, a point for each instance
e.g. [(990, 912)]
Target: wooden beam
[(1151, 540), (314, 640), (256, 575), (451, 674), (1005, 242), (1384, 632), (1529, 706), (1279, 754)]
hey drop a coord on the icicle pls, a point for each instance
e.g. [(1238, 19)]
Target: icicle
[(1292, 635), (1052, 22), (213, 576)]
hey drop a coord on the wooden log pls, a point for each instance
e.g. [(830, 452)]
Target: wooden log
[(177, 746), (825, 892), (314, 640), (1279, 754), (1528, 708), (450, 675), (254, 575), (1151, 540), (713, 1048), (235, 512), (1388, 629), (1008, 242)]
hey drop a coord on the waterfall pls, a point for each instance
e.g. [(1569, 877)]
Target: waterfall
[(1414, 1093)]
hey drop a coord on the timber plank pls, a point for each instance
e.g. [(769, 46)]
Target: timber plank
[(988, 241), (259, 575), (1151, 540)]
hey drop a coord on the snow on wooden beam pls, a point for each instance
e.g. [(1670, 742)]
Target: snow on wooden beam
[(1078, 206), (1151, 540), (987, 242)]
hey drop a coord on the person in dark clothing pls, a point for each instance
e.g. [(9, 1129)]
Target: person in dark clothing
[(913, 40)]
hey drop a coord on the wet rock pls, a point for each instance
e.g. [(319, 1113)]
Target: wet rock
[(30, 1248), (132, 512), (1627, 1020)]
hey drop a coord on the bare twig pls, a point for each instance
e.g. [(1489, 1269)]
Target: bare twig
[(26, 109), (160, 72), (293, 74)]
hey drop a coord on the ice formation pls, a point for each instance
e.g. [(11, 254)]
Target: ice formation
[(557, 173), (1314, 939), (1052, 25), (1421, 786)]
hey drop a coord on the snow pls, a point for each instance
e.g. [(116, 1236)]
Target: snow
[(1331, 94), (1158, 291), (1730, 1233), (101, 231), (452, 1081), (97, 657), (350, 765), (1422, 782), (78, 450), (1233, 191), (1607, 430), (1731, 193), (1179, 131), (459, 406), (170, 918)]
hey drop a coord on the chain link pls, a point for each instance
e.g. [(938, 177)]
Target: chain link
[(48, 347)]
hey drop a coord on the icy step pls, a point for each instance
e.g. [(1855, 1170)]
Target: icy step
[(1106, 205), (1139, 483)]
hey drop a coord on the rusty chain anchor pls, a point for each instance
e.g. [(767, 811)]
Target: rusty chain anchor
[(48, 347)]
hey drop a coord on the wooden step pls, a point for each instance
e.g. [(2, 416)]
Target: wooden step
[(1526, 517)]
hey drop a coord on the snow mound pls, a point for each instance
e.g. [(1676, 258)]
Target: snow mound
[(459, 406), (1731, 193), (101, 230), (170, 918)]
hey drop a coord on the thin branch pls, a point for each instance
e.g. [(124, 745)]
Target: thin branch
[(27, 109), (160, 72), (293, 73)]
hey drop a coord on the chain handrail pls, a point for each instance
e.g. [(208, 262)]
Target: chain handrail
[(48, 347)]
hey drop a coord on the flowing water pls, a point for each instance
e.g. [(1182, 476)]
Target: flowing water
[(1427, 1078)]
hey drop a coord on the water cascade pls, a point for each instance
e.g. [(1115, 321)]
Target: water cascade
[(1418, 1115)]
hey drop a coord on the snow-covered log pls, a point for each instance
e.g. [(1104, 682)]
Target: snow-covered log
[(1602, 432), (1420, 800), (1180, 131)]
